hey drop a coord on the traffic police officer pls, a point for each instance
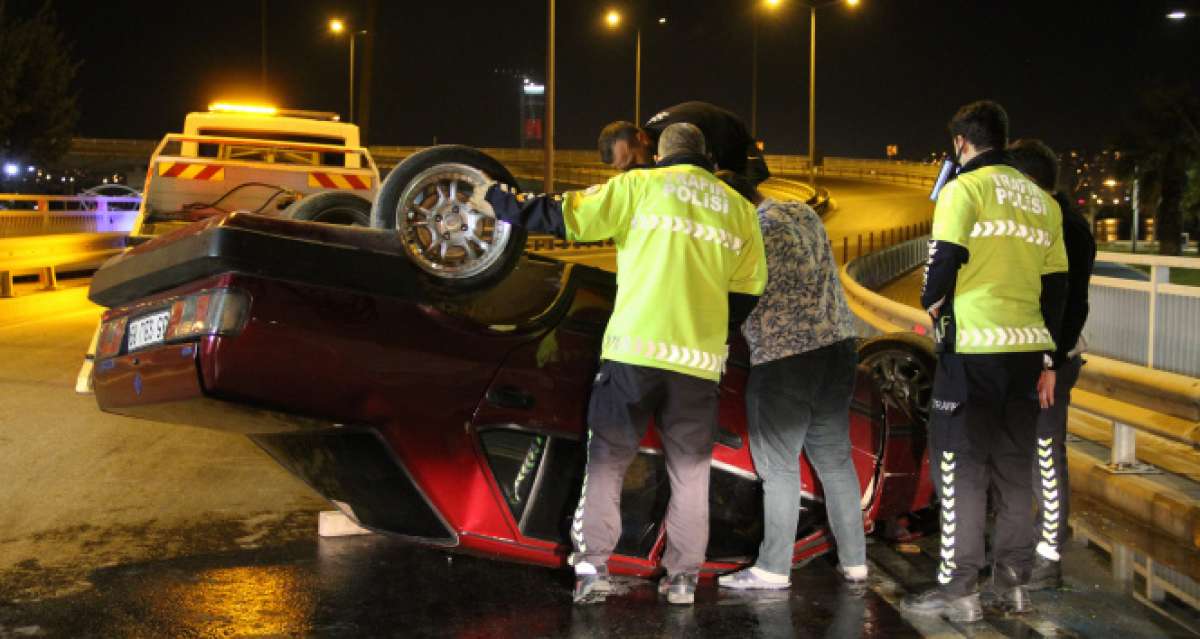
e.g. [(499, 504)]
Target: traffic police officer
[(685, 241), (995, 285)]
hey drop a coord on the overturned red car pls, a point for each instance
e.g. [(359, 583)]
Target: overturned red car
[(430, 378)]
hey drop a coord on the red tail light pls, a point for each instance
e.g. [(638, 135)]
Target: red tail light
[(212, 312), (112, 334)]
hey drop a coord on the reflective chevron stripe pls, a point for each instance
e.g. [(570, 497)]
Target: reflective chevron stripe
[(1009, 228), (191, 171), (1050, 499), (698, 231), (946, 565), (577, 520), (531, 459), (666, 352), (325, 180), (1005, 336)]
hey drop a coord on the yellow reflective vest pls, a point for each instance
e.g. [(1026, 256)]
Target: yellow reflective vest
[(1012, 230), (685, 240)]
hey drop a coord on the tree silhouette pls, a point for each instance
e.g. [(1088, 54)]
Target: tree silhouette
[(1161, 143), (38, 109)]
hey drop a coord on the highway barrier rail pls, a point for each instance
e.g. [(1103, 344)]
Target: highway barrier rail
[(917, 174), (1150, 322), (1131, 397), (26, 215), (45, 255), (890, 171)]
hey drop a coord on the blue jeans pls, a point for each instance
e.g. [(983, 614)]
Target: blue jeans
[(803, 402)]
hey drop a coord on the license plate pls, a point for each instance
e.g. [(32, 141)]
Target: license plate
[(148, 330)]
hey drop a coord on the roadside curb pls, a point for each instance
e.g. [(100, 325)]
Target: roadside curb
[(1169, 511)]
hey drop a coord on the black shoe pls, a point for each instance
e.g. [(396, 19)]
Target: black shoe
[(1007, 591), (938, 601), (679, 589), (1046, 574)]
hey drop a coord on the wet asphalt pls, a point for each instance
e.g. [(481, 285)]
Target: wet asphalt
[(375, 586)]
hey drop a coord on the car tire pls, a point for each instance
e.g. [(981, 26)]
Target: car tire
[(903, 365), (479, 251), (331, 207)]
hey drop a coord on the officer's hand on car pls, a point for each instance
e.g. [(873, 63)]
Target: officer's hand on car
[(1045, 388), (497, 200)]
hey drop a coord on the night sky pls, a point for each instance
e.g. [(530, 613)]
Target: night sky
[(888, 71)]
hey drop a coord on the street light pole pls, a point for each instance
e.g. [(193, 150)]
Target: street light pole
[(350, 116), (754, 80), (613, 19), (812, 97), (337, 26), (637, 80), (551, 87)]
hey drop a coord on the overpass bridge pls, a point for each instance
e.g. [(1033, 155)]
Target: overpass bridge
[(104, 511)]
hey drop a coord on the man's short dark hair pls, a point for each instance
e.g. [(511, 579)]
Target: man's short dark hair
[(984, 124), (1037, 160), (609, 135)]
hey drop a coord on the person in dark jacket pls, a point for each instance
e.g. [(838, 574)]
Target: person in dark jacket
[(1038, 161), (624, 145), (994, 287)]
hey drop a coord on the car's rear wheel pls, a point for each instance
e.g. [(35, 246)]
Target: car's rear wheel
[(432, 200), (331, 207), (902, 365)]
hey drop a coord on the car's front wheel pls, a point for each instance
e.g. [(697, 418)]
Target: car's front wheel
[(432, 200), (903, 365)]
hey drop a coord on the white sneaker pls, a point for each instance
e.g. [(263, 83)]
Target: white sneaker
[(754, 578)]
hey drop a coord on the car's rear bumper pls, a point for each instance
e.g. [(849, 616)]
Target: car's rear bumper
[(164, 384)]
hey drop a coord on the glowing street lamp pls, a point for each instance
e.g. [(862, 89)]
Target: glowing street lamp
[(770, 5), (813, 5), (1177, 15), (613, 19), (813, 88), (337, 26)]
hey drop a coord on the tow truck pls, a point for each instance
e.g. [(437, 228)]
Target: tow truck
[(289, 163), (303, 165)]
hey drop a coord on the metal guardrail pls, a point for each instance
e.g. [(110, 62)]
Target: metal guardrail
[(1146, 322), (890, 171), (1155, 402), (1158, 578), (25, 215), (46, 254)]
